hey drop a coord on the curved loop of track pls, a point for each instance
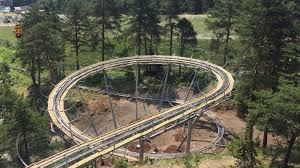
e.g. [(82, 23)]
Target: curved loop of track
[(91, 148)]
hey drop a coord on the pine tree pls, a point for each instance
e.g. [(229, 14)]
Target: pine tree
[(263, 28), (281, 112), (42, 45), (268, 33), (137, 23), (20, 124), (76, 26), (108, 16), (171, 10), (286, 109), (30, 128), (187, 35), (152, 27), (222, 19)]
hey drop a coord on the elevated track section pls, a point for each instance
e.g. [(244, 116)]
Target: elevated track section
[(90, 149)]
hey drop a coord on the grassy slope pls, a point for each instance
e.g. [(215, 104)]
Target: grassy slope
[(221, 160), (7, 33), (7, 55)]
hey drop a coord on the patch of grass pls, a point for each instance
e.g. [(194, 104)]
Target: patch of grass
[(200, 27), (199, 160), (8, 33), (21, 81)]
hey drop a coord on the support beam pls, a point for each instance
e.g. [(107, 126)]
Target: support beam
[(189, 138), (141, 150), (173, 126), (86, 110), (194, 122), (191, 85), (164, 89), (110, 101)]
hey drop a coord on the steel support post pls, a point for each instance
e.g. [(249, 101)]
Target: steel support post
[(185, 136), (141, 150), (86, 110), (192, 83), (189, 137), (164, 89), (110, 101)]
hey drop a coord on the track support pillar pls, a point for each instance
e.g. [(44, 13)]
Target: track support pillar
[(110, 101), (141, 150), (189, 137)]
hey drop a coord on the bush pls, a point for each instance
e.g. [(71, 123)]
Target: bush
[(191, 161), (121, 163)]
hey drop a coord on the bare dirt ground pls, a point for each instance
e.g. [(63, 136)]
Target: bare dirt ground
[(169, 141), (228, 116), (99, 109)]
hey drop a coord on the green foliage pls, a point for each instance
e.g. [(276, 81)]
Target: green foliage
[(7, 33), (20, 122), (76, 26), (34, 137), (191, 161), (199, 24), (39, 49), (144, 26), (286, 109), (222, 21), (263, 28), (187, 35), (261, 108), (121, 163), (239, 148), (107, 18), (4, 74)]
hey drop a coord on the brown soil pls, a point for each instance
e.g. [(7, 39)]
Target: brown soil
[(171, 149), (99, 109), (134, 147), (235, 124)]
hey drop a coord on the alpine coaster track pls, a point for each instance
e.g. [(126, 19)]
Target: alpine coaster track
[(88, 148)]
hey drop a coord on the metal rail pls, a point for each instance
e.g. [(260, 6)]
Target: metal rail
[(93, 148)]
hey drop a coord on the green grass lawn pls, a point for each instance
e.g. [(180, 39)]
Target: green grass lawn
[(7, 33)]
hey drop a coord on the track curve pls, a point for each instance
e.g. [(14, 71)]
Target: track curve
[(91, 148)]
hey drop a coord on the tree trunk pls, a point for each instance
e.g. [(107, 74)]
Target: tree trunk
[(251, 152), (32, 72), (171, 43), (181, 51), (227, 37), (145, 44), (39, 70), (151, 44), (103, 31), (52, 73), (77, 48), (26, 155), (171, 36), (265, 137), (291, 142), (139, 47)]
